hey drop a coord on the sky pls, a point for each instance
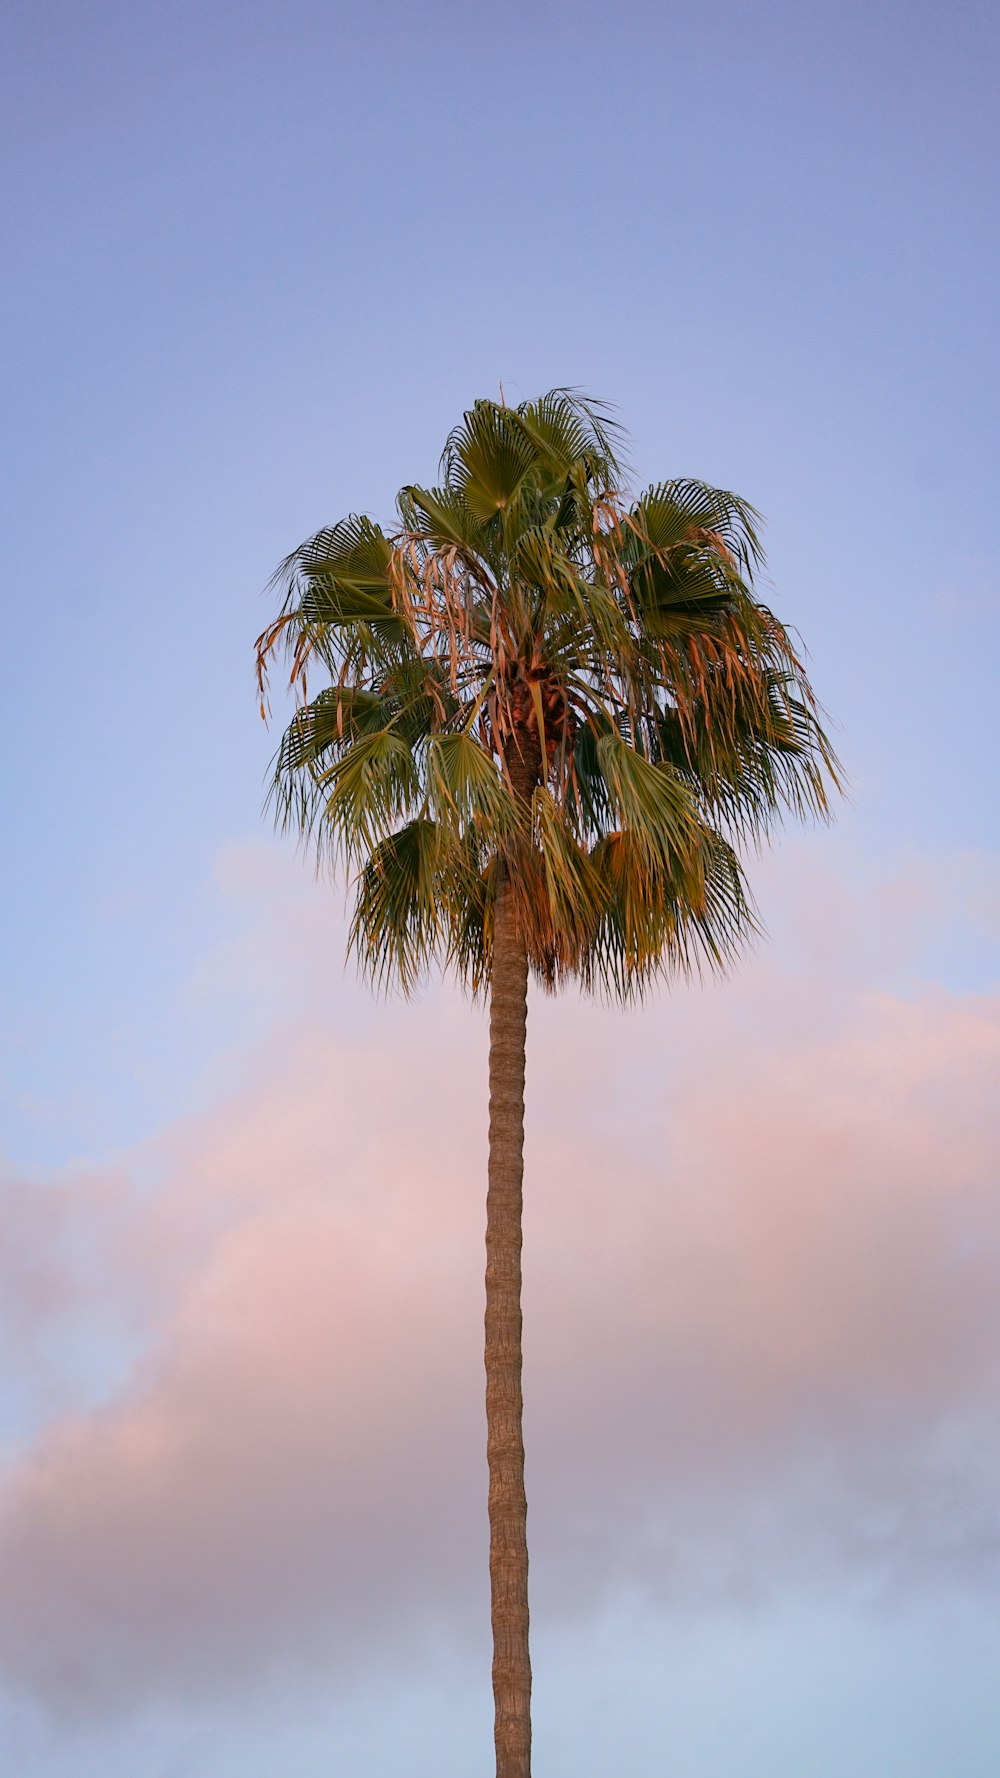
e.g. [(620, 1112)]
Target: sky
[(258, 261)]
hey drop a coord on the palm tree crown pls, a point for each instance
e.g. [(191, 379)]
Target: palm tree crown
[(539, 674)]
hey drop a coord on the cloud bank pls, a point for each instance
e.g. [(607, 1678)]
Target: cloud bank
[(762, 1330)]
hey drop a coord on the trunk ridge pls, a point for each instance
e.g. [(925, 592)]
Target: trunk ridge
[(504, 1436)]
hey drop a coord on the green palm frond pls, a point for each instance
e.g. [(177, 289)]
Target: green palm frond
[(367, 791), (337, 581), (560, 894), (684, 916), (487, 457), (466, 788), (442, 520), (650, 801), (676, 512), (567, 428), (396, 922)]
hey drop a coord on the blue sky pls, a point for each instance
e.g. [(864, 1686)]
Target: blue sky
[(258, 260)]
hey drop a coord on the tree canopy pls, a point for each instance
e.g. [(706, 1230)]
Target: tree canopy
[(537, 672)]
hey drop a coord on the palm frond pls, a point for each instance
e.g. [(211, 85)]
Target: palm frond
[(682, 917), (567, 428), (487, 457), (367, 791), (396, 924), (651, 801), (466, 787)]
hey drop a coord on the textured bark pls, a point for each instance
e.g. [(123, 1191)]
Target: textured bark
[(504, 1438)]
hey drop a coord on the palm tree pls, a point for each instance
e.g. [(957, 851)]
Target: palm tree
[(550, 712)]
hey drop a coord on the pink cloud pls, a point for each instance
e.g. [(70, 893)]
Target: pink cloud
[(762, 1331)]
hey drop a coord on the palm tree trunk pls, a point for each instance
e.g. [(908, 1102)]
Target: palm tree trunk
[(504, 1438)]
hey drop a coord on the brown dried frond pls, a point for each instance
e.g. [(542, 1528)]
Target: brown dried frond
[(716, 541), (266, 647)]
